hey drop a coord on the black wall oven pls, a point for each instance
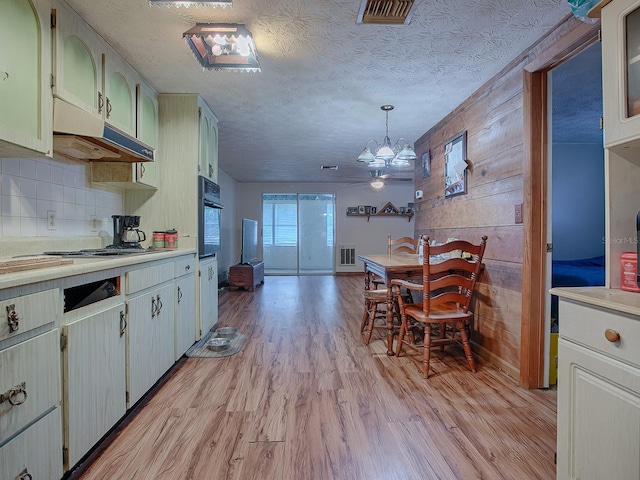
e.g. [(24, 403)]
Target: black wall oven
[(209, 209)]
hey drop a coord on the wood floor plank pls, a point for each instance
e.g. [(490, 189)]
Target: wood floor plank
[(306, 399)]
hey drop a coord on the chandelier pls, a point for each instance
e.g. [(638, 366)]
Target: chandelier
[(169, 3), (223, 46), (379, 156)]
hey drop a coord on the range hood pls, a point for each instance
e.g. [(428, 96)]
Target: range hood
[(80, 135)]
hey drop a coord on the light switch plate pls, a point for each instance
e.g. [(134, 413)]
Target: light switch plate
[(518, 213)]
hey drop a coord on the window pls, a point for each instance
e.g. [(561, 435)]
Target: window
[(280, 221)]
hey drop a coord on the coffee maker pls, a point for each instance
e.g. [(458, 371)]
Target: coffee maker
[(126, 233)]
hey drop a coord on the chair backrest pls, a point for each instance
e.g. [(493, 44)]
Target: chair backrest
[(401, 245), (451, 275)]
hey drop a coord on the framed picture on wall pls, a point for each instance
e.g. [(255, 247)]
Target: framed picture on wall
[(455, 165), (426, 164)]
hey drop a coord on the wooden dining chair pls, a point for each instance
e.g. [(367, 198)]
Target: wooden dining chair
[(396, 246), (375, 299), (449, 276)]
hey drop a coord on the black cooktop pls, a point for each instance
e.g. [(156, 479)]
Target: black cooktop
[(100, 252)]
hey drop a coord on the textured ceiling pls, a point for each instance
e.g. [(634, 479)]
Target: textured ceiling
[(317, 100)]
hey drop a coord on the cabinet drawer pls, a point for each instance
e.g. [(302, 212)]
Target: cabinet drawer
[(35, 362), (184, 266), (29, 311), (38, 450), (137, 280), (587, 325)]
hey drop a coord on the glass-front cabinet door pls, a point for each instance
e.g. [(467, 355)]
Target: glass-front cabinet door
[(621, 71)]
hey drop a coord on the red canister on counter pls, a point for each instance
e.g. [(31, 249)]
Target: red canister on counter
[(171, 238), (629, 272), (159, 240)]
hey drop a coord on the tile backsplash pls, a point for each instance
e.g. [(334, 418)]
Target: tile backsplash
[(43, 197)]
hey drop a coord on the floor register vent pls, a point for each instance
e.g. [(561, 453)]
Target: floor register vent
[(347, 255)]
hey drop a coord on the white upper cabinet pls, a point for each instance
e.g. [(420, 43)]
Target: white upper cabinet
[(25, 75), (120, 81), (77, 66), (208, 152), (621, 71)]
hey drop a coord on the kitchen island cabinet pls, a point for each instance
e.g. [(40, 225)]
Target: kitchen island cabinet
[(25, 76), (599, 383)]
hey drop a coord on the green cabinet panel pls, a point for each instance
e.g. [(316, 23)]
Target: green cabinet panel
[(149, 122), (119, 102), (77, 65), (25, 102), (80, 75), (208, 154)]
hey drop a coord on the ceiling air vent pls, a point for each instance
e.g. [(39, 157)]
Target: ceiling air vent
[(386, 12), (328, 167)]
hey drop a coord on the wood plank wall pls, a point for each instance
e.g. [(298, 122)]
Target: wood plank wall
[(493, 120)]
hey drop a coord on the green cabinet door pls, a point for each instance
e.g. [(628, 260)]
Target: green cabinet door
[(25, 103), (77, 65)]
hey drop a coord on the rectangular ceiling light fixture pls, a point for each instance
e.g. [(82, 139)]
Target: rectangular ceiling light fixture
[(386, 12), (223, 46), (169, 3)]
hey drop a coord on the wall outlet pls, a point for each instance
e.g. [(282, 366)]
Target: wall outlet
[(51, 219), (419, 194), (518, 213)]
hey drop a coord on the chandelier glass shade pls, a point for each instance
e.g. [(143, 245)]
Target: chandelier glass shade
[(177, 4), (223, 46), (385, 155)]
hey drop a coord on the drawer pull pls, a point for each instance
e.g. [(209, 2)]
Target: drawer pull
[(187, 268), (612, 335), (154, 308), (123, 323), (16, 395), (159, 304), (13, 319), (24, 475), (179, 295)]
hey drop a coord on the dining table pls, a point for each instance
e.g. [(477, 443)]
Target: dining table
[(389, 267)]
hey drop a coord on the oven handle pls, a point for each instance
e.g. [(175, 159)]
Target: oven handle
[(212, 204)]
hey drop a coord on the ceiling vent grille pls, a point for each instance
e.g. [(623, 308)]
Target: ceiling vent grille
[(386, 12), (328, 167)]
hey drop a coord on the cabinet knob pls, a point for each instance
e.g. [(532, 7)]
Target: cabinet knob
[(612, 335), (24, 475)]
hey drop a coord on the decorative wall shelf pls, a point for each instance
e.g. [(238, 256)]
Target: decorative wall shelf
[(407, 215)]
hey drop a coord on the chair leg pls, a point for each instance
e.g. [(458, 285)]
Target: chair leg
[(426, 355), (372, 319), (365, 315), (401, 334), (465, 346)]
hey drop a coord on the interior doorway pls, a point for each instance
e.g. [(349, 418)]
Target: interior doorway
[(575, 180), (298, 233)]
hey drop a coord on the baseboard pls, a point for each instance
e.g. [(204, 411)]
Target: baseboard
[(345, 274), (507, 368)]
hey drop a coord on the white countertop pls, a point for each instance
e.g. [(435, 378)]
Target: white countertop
[(85, 265), (613, 299)]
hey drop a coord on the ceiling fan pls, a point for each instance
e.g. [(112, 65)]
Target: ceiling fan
[(380, 178)]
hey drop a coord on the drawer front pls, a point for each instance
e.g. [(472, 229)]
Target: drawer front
[(137, 280), (38, 450), (25, 313), (36, 363), (588, 325), (185, 266)]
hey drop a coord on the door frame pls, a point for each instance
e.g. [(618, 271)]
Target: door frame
[(566, 41)]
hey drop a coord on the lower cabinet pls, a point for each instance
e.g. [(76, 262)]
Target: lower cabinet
[(208, 295), (36, 452), (151, 342), (185, 322), (598, 393), (94, 374)]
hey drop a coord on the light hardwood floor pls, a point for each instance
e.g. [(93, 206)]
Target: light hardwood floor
[(307, 400)]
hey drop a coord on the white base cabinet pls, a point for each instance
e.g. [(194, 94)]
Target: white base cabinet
[(185, 301), (94, 375), (598, 393), (150, 339), (208, 294), (36, 452)]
